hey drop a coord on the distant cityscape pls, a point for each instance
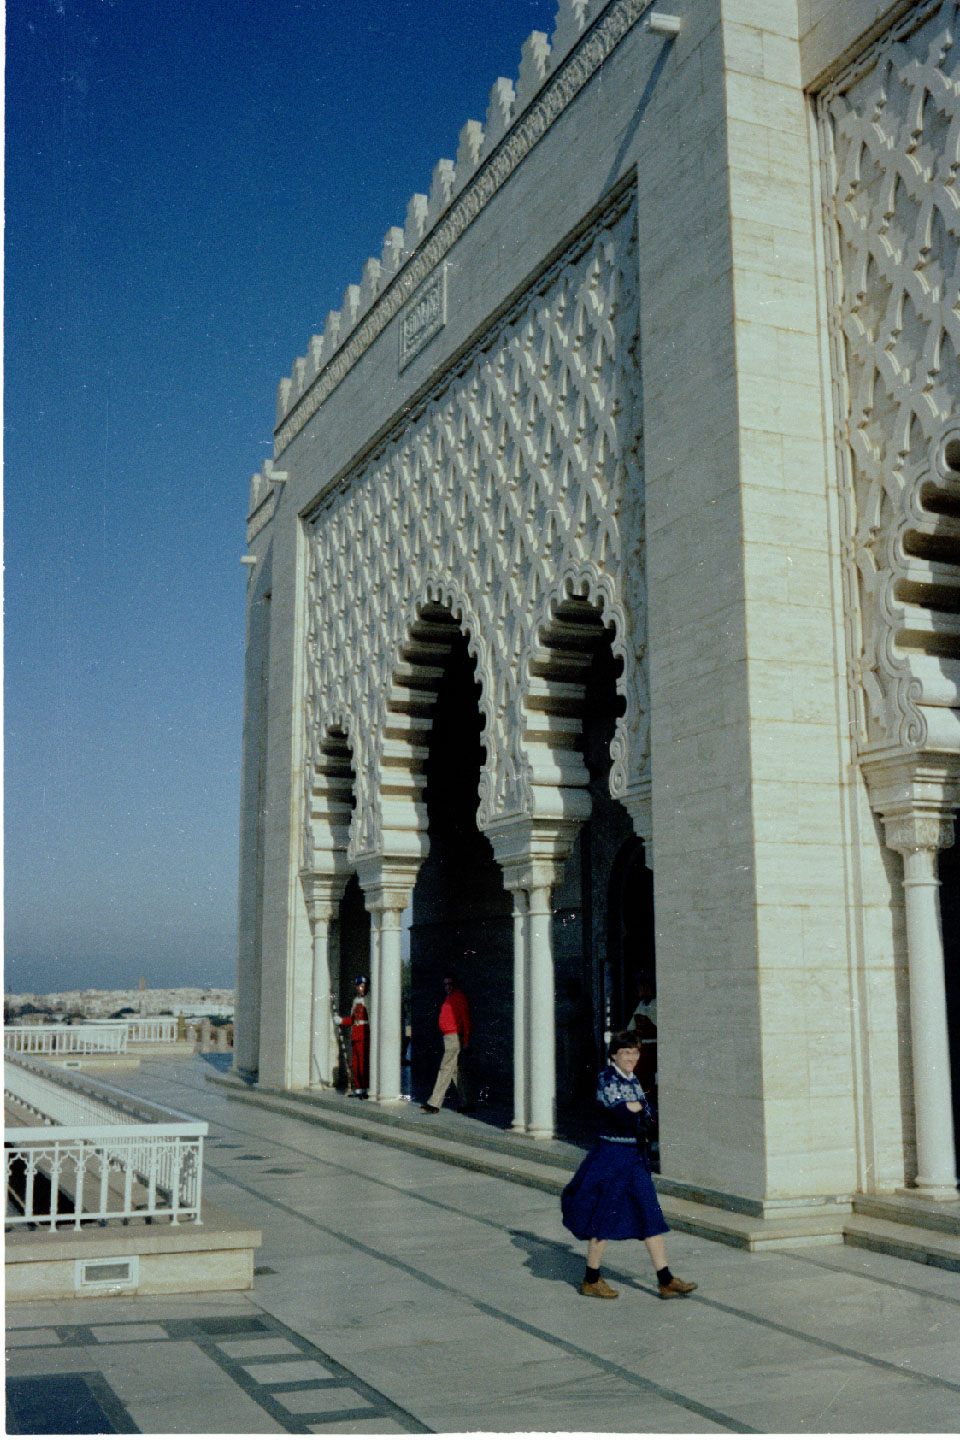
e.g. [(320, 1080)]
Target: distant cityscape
[(187, 1000)]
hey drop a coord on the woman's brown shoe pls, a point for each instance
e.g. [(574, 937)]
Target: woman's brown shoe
[(676, 1287), (599, 1289)]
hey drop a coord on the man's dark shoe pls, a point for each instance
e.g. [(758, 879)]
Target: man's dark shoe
[(430, 1109)]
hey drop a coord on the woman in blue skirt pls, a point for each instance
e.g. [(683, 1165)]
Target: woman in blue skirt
[(611, 1197)]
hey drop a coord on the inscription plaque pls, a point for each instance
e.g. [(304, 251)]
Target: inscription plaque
[(424, 316)]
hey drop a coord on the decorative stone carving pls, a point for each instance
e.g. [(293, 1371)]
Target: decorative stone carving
[(424, 317), (890, 139), (514, 501), (919, 832)]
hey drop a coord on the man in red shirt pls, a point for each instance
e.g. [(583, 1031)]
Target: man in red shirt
[(455, 1029)]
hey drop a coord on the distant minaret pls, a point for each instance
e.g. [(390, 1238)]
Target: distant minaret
[(142, 987)]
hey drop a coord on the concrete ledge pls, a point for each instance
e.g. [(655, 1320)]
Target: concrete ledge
[(170, 1259), (162, 1050), (91, 1062)]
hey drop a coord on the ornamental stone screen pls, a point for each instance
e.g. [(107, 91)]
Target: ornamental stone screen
[(602, 607)]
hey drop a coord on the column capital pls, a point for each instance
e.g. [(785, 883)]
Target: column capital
[(386, 881), (532, 850), (917, 797), (918, 830), (322, 894)]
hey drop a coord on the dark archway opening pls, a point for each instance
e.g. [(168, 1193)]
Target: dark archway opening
[(597, 913), (353, 936), (631, 948), (631, 957), (461, 913)]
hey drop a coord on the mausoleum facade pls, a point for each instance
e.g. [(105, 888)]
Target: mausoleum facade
[(603, 603)]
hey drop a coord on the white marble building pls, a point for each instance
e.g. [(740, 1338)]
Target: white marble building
[(639, 444)]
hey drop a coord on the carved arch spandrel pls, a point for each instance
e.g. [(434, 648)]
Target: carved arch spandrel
[(586, 610), (889, 129), (522, 468)]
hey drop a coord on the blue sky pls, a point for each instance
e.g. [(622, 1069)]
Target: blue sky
[(190, 187)]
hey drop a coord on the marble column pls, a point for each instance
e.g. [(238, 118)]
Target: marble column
[(321, 1067), (532, 852), (541, 1011), (520, 1038), (322, 894), (374, 1005), (919, 839), (390, 1008), (386, 882)]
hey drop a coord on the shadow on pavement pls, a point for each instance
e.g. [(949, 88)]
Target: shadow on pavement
[(220, 1061), (548, 1260)]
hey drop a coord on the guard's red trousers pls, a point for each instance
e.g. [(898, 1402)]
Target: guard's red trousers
[(360, 1055)]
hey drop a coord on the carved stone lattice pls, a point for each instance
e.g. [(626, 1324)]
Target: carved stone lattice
[(514, 492), (890, 141)]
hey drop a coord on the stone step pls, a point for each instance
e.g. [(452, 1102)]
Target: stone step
[(906, 1242), (904, 1208), (901, 1225), (428, 1140), (542, 1165), (448, 1124)]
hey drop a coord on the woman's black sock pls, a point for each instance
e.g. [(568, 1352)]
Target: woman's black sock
[(664, 1275), (592, 1276)]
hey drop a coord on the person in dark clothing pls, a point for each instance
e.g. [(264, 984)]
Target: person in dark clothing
[(611, 1197)]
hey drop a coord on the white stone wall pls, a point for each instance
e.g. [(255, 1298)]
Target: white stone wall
[(784, 1051)]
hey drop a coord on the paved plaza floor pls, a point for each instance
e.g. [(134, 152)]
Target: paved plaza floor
[(398, 1295)]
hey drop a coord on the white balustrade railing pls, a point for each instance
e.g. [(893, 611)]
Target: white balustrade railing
[(144, 1029), (152, 1030), (103, 1039), (105, 1155)]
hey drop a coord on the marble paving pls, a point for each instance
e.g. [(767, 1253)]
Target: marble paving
[(397, 1295)]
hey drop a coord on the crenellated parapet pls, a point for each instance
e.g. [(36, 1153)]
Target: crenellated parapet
[(540, 59), (264, 489)]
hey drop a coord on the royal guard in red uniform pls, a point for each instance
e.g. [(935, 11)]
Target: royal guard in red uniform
[(359, 1023)]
